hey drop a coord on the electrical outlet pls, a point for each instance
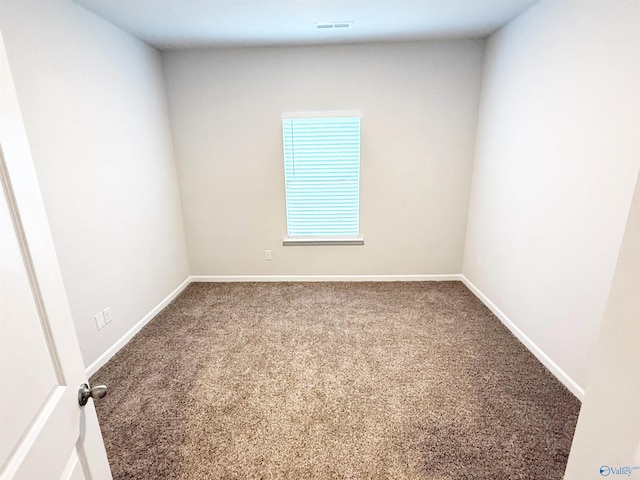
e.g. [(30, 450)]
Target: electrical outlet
[(107, 315), (267, 255), (100, 323)]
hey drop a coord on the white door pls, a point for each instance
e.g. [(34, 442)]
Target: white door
[(44, 433)]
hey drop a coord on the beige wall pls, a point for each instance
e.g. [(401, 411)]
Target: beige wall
[(556, 161), (419, 106), (94, 107)]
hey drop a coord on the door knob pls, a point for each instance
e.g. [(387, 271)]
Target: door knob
[(85, 392)]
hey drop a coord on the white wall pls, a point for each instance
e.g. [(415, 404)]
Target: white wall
[(94, 108), (608, 430), (556, 162), (419, 107)]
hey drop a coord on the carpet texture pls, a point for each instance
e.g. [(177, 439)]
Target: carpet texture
[(332, 380)]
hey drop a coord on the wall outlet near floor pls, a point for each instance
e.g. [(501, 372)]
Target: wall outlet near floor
[(100, 322), (267, 255), (107, 315)]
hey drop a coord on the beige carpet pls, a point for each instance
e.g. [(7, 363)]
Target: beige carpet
[(331, 381)]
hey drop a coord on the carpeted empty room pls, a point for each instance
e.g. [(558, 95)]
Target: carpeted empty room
[(319, 239), (400, 380)]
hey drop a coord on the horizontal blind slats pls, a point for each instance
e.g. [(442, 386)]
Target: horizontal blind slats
[(322, 175)]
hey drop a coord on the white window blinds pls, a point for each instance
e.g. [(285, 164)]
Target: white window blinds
[(322, 176)]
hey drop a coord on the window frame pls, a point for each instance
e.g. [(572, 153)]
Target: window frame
[(321, 240)]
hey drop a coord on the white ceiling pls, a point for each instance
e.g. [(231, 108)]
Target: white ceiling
[(184, 23)]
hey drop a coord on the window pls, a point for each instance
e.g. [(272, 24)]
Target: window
[(322, 178)]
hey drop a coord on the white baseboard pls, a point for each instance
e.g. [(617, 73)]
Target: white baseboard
[(104, 358), (326, 278), (552, 366)]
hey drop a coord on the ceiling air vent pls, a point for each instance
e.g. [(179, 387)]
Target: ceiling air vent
[(333, 25)]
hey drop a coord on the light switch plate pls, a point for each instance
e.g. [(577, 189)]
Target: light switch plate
[(100, 323)]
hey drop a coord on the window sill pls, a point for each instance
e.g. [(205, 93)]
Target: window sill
[(290, 242)]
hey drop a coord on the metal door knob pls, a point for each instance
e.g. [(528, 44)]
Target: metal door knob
[(85, 392)]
